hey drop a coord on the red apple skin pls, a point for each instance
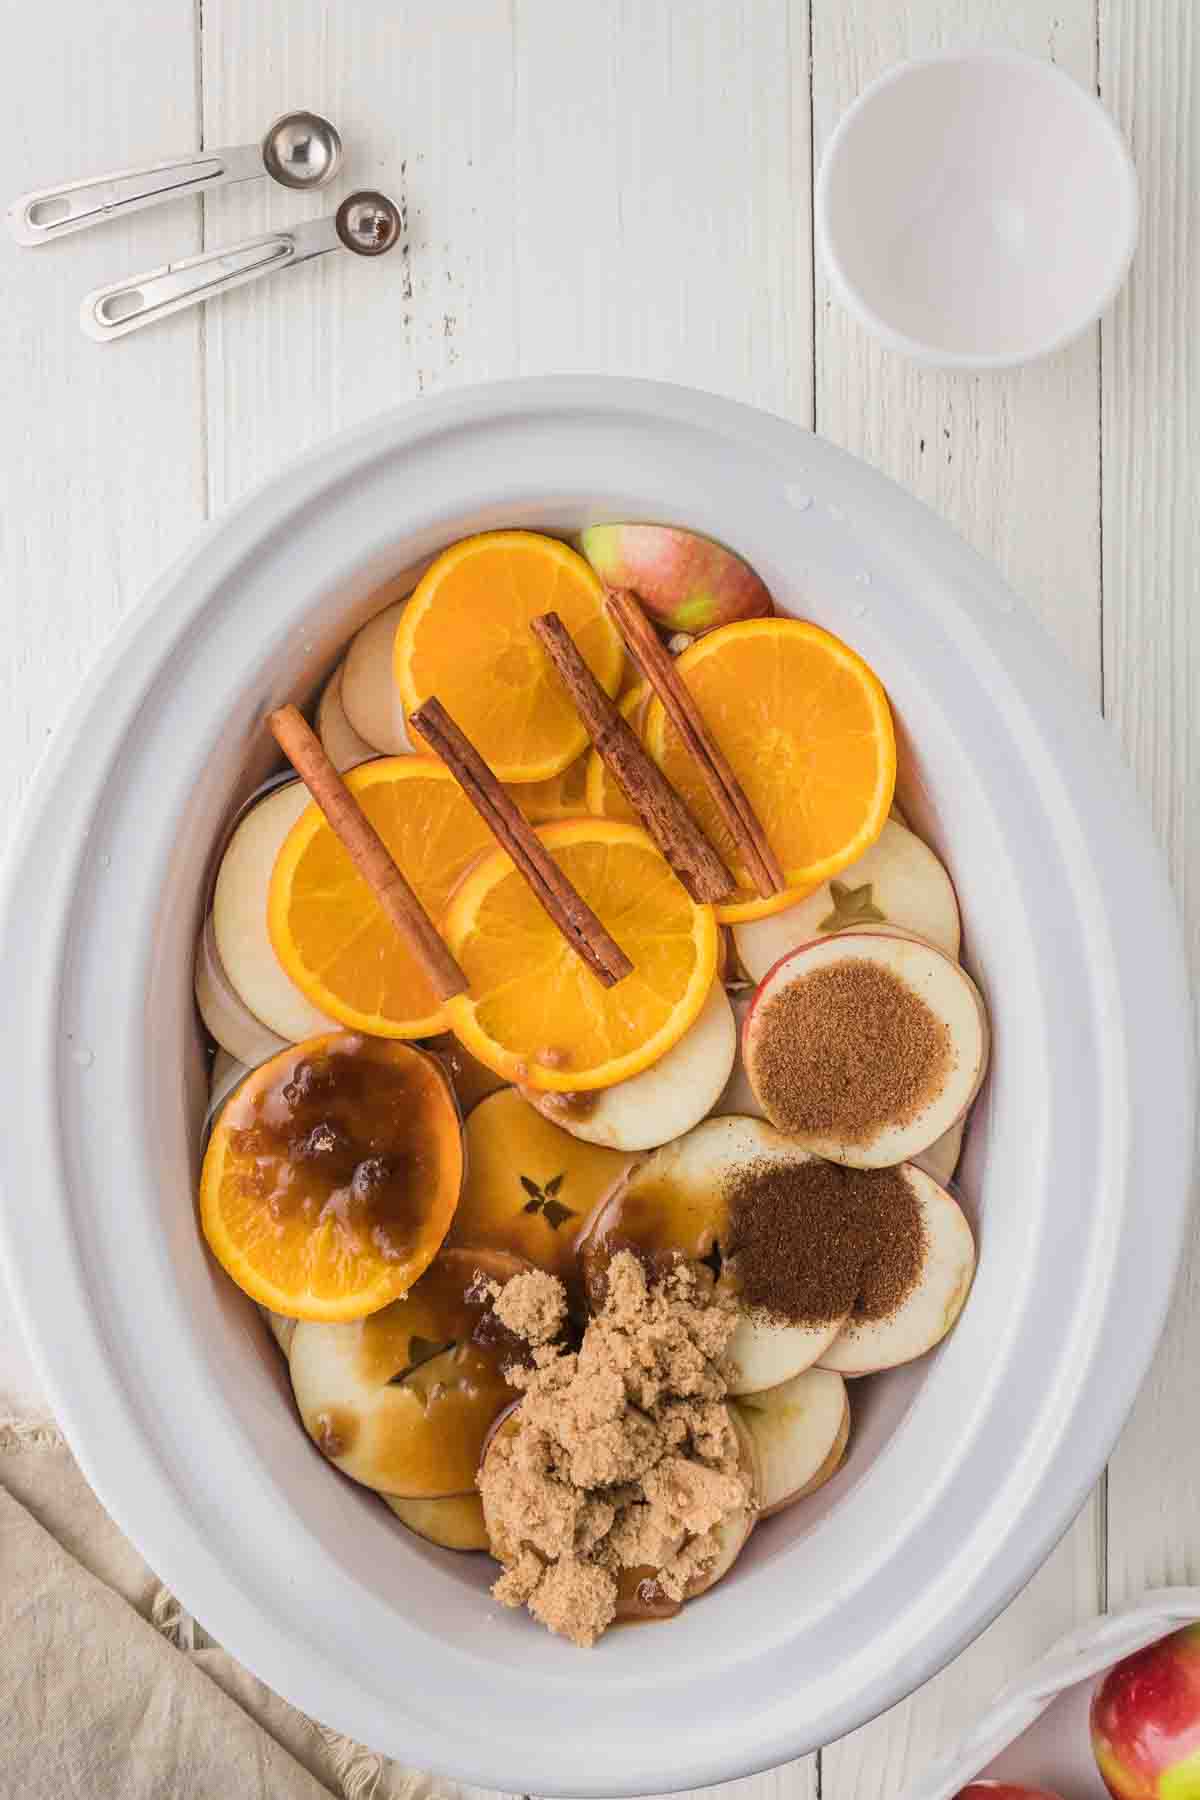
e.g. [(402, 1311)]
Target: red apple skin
[(1146, 1721), (1004, 1790), (684, 582)]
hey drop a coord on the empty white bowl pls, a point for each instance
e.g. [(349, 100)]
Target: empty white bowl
[(976, 209), (962, 1470)]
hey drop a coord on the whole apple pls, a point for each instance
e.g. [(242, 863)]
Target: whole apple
[(1146, 1721), (1004, 1790)]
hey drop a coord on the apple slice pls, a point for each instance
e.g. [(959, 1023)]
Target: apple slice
[(226, 1072), (674, 1202), (342, 744), (665, 1100), (239, 921), (282, 1329), (684, 582), (226, 1016), (800, 1430), (942, 1158), (370, 698), (402, 1400), (898, 882), (933, 1303), (455, 1523), (810, 1051)]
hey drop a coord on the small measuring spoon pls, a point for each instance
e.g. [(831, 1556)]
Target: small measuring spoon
[(365, 223), (300, 150)]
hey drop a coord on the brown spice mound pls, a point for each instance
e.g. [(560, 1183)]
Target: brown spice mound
[(847, 1050), (810, 1242), (621, 1455)]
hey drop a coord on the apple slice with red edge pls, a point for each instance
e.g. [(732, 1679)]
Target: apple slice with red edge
[(341, 743), (664, 1101), (684, 582), (673, 1203), (1004, 1790), (897, 882), (369, 696), (799, 1431), (926, 974), (935, 1299)]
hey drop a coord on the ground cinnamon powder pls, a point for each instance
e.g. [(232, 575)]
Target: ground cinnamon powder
[(847, 1050), (810, 1242)]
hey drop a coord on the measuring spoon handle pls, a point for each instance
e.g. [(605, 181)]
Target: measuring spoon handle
[(56, 212), (125, 306)]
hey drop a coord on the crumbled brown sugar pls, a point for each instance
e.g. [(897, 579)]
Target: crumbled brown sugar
[(621, 1456), (532, 1306)]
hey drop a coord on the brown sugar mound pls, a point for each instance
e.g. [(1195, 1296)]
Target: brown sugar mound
[(621, 1455), (847, 1050), (810, 1242)]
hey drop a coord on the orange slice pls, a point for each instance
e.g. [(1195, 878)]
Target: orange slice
[(535, 1013), (465, 637), (604, 798), (332, 1175), (326, 925), (807, 728), (561, 796)]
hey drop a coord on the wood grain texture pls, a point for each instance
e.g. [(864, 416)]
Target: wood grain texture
[(103, 479), (101, 447), (630, 195), (1150, 79), (1012, 460)]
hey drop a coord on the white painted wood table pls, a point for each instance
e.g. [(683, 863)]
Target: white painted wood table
[(622, 185)]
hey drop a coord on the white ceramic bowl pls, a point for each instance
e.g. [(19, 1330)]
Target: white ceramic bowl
[(976, 208), (962, 1471)]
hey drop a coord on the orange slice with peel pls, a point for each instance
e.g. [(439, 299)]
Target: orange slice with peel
[(464, 636), (535, 1013), (562, 796), (332, 1175), (808, 731), (327, 927)]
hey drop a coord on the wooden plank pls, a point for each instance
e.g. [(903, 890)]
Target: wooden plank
[(1012, 461), (651, 218), (102, 460), (103, 482), (1150, 79)]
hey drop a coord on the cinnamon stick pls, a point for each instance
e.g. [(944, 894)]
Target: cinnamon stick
[(727, 792), (366, 850), (640, 779), (573, 916)]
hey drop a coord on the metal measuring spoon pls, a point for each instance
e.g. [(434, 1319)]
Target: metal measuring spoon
[(300, 150), (365, 223)]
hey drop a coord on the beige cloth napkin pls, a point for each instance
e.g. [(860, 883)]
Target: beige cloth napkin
[(107, 1688)]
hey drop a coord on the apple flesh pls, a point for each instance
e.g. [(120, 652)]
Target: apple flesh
[(402, 1401), (341, 743), (934, 1301), (226, 1016), (931, 976), (665, 1100), (799, 1431), (897, 882), (455, 1523), (673, 1203), (684, 582), (239, 921), (1145, 1721), (369, 697)]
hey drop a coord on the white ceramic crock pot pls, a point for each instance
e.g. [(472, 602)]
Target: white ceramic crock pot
[(963, 1470)]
